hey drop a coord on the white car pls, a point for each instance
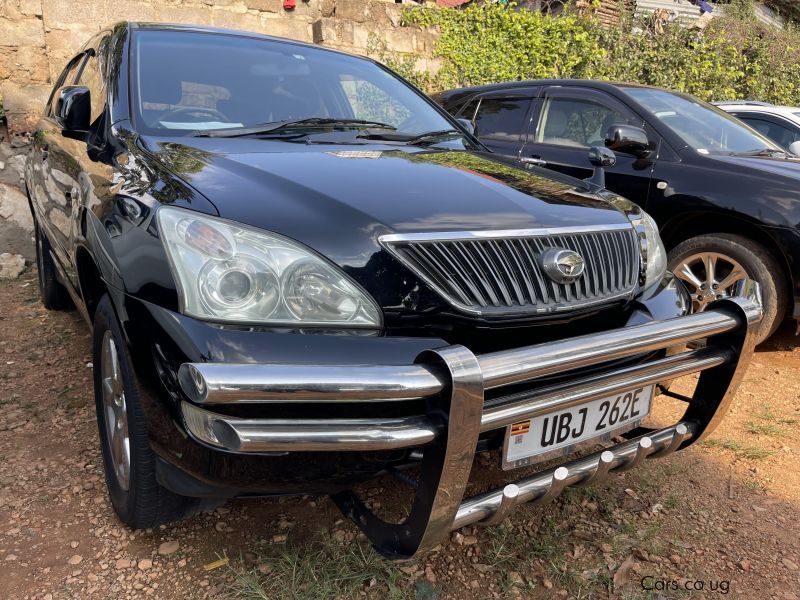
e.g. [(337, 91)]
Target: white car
[(781, 124)]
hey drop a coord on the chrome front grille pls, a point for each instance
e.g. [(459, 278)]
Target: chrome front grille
[(496, 272)]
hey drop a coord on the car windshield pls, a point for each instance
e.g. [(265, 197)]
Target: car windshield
[(703, 127), (186, 82)]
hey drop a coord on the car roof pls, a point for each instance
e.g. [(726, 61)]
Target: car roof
[(791, 112), (590, 83)]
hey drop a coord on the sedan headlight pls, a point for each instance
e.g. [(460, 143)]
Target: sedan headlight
[(653, 253), (231, 272)]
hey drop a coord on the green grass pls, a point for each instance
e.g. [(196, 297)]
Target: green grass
[(320, 568), (769, 429), (741, 450)]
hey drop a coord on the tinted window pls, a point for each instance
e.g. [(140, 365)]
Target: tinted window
[(576, 122), (703, 127), (502, 119), (782, 135), (90, 77), (67, 77), (189, 81)]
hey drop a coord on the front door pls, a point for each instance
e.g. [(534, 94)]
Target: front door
[(569, 121)]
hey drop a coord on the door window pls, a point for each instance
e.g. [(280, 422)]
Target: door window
[(780, 134), (502, 119), (576, 122), (67, 77)]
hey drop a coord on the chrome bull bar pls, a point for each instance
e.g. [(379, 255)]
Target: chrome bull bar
[(452, 382)]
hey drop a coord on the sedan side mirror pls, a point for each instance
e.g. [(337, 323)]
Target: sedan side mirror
[(628, 140), (794, 148), (600, 159), (467, 124), (72, 111)]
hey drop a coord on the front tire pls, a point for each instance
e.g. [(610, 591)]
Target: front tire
[(711, 265), (129, 462)]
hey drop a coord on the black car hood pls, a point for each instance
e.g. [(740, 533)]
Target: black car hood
[(339, 199), (786, 167), (319, 193)]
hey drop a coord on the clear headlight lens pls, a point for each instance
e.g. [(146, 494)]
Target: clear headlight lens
[(653, 252), (232, 272)]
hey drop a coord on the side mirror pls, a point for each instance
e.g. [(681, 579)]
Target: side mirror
[(600, 159), (73, 109), (467, 124), (628, 140), (794, 148)]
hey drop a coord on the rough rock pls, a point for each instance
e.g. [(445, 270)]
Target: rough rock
[(14, 207), (11, 265)]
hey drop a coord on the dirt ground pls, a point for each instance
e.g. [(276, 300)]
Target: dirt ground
[(720, 519)]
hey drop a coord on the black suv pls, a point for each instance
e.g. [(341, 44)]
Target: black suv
[(726, 199), (302, 273)]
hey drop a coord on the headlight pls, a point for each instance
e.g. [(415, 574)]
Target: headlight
[(653, 253), (231, 272)]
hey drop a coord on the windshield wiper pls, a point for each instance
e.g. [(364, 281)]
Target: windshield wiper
[(277, 126), (411, 139), (762, 152)]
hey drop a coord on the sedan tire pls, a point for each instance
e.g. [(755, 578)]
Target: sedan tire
[(129, 462), (711, 265)]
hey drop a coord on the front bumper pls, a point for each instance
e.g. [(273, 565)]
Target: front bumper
[(452, 383)]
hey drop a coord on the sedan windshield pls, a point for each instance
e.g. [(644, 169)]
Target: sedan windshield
[(190, 82), (703, 127)]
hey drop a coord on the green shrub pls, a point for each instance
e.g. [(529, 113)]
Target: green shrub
[(735, 57)]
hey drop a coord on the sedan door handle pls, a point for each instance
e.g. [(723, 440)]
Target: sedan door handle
[(533, 160)]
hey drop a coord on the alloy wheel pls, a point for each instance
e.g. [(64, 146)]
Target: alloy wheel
[(710, 276), (115, 411)]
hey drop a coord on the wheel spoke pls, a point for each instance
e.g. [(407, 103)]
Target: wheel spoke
[(685, 273), (737, 274), (711, 270)]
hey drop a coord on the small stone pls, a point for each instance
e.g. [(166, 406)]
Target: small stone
[(280, 538), (430, 575), (457, 538), (469, 540), (168, 547), (73, 544), (790, 564), (548, 585), (744, 564), (264, 568), (675, 559), (220, 526), (75, 559), (10, 557), (145, 564), (123, 563)]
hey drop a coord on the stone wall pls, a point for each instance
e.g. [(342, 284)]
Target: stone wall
[(37, 37)]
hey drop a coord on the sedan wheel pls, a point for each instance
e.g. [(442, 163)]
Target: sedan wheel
[(710, 276), (116, 413)]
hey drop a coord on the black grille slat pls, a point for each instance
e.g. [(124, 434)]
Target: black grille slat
[(500, 274)]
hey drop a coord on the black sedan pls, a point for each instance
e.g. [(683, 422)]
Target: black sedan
[(302, 273), (726, 199)]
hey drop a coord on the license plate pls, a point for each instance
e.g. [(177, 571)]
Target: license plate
[(560, 431)]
